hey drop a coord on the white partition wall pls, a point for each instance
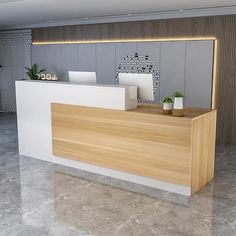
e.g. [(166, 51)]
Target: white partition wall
[(88, 62), (182, 65), (123, 50), (39, 55), (54, 60), (153, 50), (69, 59), (106, 63), (198, 79), (15, 54), (172, 76)]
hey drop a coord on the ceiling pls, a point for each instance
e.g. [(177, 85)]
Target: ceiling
[(25, 12)]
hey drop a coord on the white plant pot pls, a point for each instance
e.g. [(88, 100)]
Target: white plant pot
[(178, 103), (167, 106)]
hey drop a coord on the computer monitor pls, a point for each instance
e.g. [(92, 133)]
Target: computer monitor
[(82, 77), (144, 83)]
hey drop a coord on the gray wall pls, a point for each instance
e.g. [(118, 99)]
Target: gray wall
[(183, 65), (15, 54)]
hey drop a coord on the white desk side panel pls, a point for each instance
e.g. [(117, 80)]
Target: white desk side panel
[(34, 110)]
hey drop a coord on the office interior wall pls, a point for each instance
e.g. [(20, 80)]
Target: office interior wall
[(221, 27), (176, 63), (15, 54)]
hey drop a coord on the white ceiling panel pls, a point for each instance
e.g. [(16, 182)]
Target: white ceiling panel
[(23, 12)]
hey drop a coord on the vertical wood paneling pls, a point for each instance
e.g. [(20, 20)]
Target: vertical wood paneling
[(221, 27)]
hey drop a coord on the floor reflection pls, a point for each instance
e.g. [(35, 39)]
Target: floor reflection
[(101, 209)]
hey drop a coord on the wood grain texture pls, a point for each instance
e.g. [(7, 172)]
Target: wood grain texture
[(221, 27), (202, 150), (142, 141)]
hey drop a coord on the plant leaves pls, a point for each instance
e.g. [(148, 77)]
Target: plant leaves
[(33, 72)]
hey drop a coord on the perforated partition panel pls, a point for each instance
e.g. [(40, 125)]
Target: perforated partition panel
[(139, 63), (15, 54)]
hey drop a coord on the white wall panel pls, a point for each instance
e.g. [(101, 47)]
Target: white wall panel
[(15, 54), (198, 82), (26, 60), (7, 89), (106, 59), (39, 55), (153, 50), (87, 57), (54, 61), (69, 59), (6, 56), (123, 50), (182, 65), (172, 71)]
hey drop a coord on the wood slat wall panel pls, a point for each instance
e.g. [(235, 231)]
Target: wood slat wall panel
[(221, 27)]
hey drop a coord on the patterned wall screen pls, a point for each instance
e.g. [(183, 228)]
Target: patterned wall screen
[(15, 54), (139, 63)]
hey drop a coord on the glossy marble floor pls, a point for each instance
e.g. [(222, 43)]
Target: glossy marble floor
[(40, 198)]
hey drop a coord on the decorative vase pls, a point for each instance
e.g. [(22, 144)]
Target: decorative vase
[(178, 109), (167, 108)]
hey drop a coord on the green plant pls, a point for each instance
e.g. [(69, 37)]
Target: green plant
[(167, 100), (178, 94), (33, 72)]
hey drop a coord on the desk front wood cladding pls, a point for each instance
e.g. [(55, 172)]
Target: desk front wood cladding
[(143, 142)]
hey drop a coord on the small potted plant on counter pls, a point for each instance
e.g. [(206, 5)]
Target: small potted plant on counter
[(178, 109), (167, 103), (33, 72)]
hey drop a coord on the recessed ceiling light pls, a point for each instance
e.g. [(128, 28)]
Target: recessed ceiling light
[(86, 18), (181, 10)]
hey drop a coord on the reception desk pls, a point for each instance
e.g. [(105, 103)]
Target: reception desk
[(142, 141), (138, 144)]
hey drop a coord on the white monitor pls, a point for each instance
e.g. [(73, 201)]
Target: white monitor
[(144, 83), (82, 77)]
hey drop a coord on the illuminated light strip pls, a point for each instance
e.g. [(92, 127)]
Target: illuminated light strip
[(214, 76), (214, 80), (122, 40)]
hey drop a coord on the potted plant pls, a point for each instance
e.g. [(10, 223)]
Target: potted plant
[(33, 72), (167, 103), (178, 109)]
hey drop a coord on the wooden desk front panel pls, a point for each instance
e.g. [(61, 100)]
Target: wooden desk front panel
[(149, 145)]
